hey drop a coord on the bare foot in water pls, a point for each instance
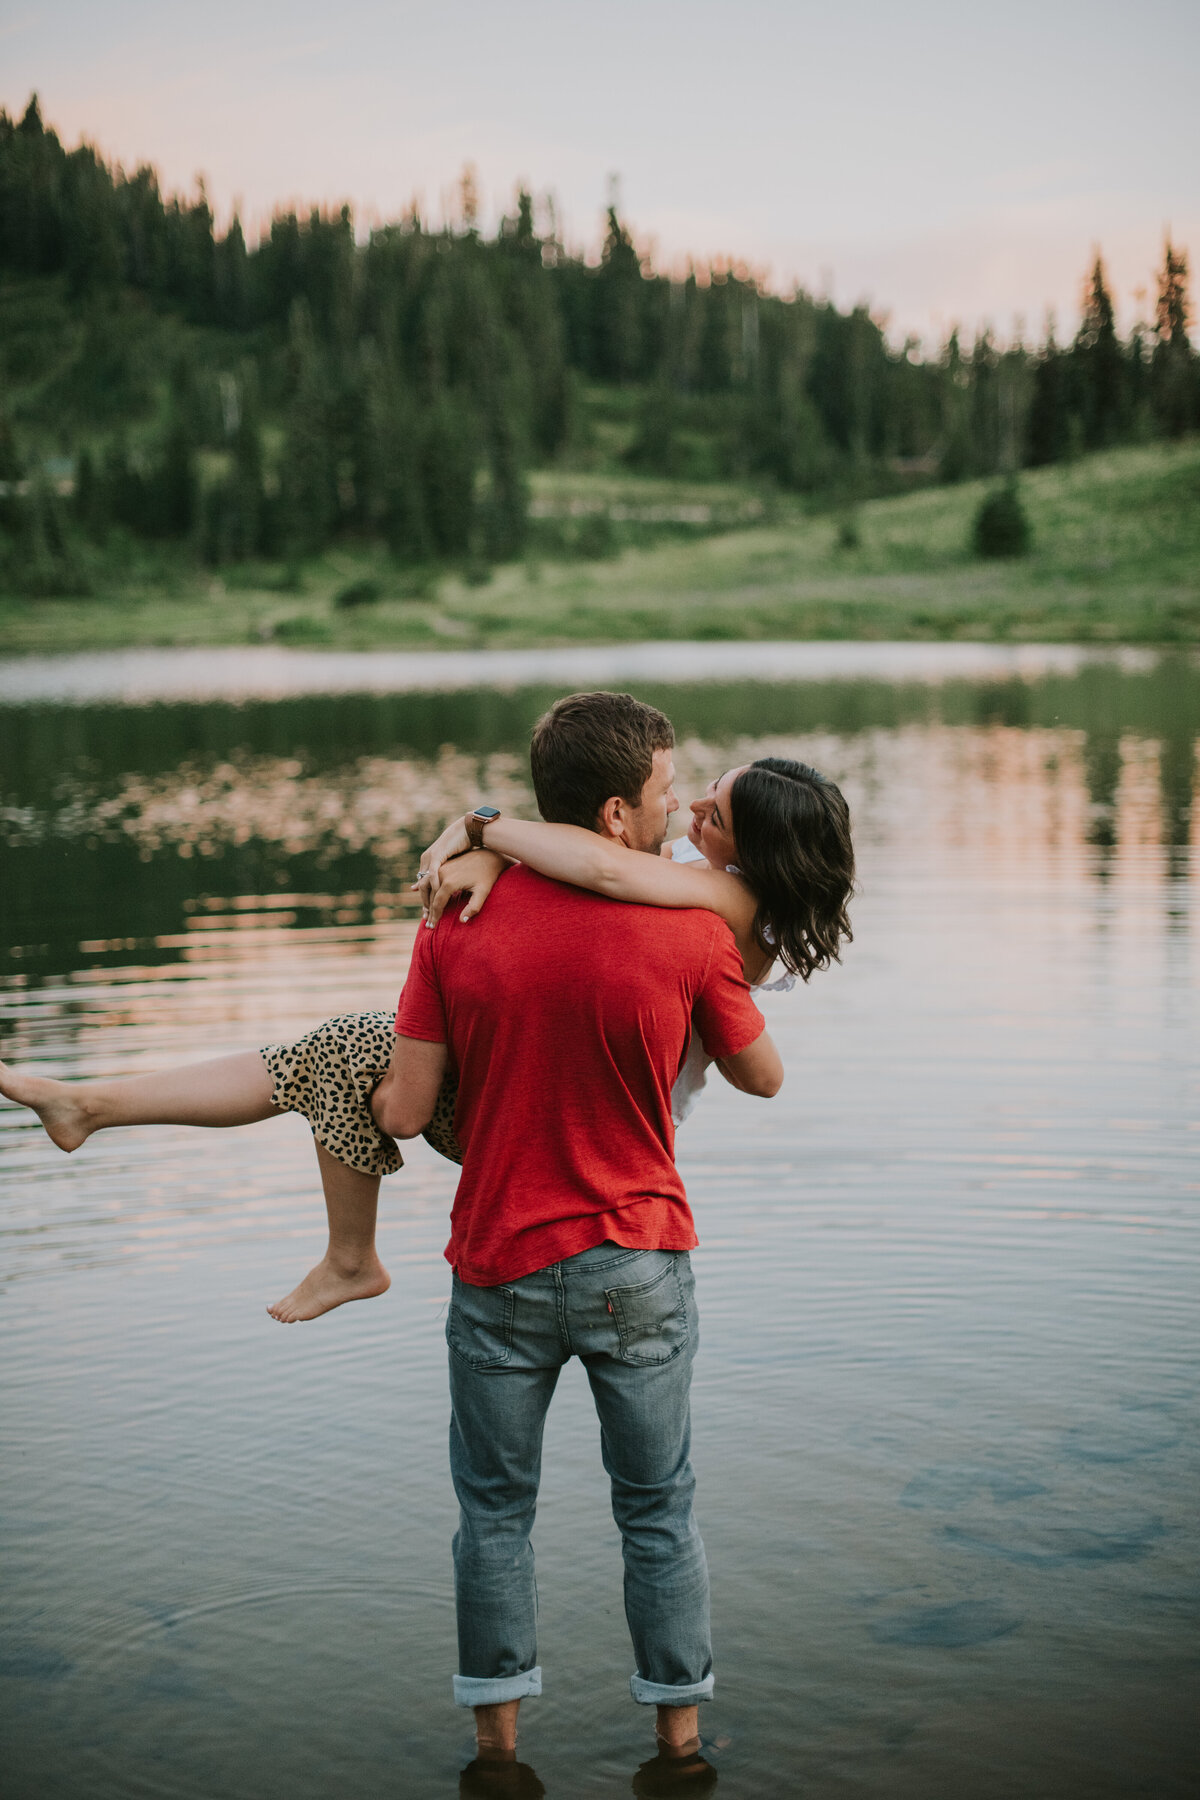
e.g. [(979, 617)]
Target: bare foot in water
[(328, 1286), (56, 1103)]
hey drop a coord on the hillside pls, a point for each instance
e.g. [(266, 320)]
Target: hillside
[(1115, 558), (458, 429)]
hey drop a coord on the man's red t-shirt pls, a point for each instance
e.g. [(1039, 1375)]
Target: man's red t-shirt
[(567, 1017)]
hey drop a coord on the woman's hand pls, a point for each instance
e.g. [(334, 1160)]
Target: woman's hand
[(453, 842), (475, 873)]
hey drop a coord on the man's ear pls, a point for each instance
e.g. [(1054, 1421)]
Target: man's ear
[(612, 819)]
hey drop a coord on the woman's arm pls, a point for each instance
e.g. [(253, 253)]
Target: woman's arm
[(588, 860), (758, 1069)]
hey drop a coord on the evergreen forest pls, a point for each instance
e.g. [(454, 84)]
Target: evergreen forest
[(165, 383)]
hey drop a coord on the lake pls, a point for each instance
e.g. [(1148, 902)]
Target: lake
[(946, 1404)]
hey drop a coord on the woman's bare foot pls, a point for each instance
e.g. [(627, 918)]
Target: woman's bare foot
[(58, 1104), (330, 1285)]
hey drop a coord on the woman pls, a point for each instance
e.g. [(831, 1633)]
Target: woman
[(768, 850)]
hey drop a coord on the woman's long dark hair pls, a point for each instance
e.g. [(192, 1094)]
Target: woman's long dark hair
[(792, 831)]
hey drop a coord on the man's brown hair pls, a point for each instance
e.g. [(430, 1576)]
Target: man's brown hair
[(591, 747)]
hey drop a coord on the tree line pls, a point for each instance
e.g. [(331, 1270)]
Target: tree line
[(268, 399)]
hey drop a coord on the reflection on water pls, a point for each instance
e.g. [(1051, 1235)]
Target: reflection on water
[(945, 1408), (140, 676)]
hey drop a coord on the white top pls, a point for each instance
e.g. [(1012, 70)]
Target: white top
[(693, 1071)]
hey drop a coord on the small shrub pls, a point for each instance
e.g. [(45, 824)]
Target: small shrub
[(364, 592), (849, 535), (1001, 525), (416, 582), (289, 580), (302, 629), (595, 537)]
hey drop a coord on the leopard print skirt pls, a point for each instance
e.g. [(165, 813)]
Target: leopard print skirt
[(330, 1075)]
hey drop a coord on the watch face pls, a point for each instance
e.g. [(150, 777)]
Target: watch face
[(487, 812)]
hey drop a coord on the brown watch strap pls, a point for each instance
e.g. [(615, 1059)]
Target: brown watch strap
[(475, 827)]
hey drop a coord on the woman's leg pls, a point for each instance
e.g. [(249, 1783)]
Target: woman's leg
[(350, 1268), (231, 1090)]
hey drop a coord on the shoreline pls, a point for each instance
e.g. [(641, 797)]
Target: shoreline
[(148, 676), (1115, 560)]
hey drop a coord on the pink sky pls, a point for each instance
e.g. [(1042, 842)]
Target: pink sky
[(943, 163)]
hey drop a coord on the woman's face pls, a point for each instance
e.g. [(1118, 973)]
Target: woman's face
[(711, 829)]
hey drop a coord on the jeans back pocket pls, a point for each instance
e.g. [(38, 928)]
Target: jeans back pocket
[(651, 1318), (479, 1324)]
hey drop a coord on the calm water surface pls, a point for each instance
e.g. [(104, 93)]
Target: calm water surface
[(946, 1403)]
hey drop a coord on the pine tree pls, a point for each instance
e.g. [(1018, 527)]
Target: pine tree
[(1139, 369), (449, 459), (11, 471), (172, 499), (847, 354), (404, 522), (522, 233), (617, 290), (387, 476), (47, 563), (1001, 526), (956, 460), (94, 254), (126, 498), (983, 411), (367, 410), (31, 121), (1099, 364), (1014, 398), (468, 199), (309, 495), (232, 279), (506, 519), (783, 436), (1048, 433), (89, 499), (328, 258), (653, 449), (236, 511), (143, 231), (1174, 363), (715, 350)]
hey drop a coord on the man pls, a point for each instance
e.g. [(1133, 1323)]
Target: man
[(567, 1017)]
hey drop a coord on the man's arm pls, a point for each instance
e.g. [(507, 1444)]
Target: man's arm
[(758, 1069), (403, 1102)]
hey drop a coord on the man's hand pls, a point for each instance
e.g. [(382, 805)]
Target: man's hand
[(403, 1103), (758, 1069)]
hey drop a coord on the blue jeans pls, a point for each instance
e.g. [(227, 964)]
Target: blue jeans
[(630, 1317)]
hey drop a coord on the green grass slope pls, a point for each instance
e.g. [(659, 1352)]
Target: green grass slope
[(1115, 558)]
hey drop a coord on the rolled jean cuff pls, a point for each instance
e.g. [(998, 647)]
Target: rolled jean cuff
[(653, 1693), (494, 1690)]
